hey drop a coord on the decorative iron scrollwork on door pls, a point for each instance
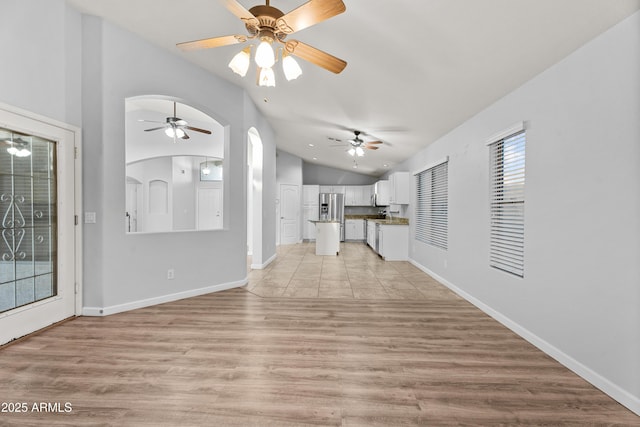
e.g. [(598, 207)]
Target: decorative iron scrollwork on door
[(13, 232)]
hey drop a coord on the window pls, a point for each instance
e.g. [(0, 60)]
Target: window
[(507, 204), (432, 207)]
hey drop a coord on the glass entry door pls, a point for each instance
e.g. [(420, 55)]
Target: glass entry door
[(28, 208), (37, 225)]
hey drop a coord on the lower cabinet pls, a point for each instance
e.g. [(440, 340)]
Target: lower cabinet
[(393, 242), (309, 228), (371, 234), (354, 230)]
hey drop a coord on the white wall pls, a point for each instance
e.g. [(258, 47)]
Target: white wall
[(204, 259), (267, 194), (314, 174), (41, 71), (288, 171), (580, 297), (79, 70)]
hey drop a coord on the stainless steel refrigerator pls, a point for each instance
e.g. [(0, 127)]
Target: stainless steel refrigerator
[(331, 207)]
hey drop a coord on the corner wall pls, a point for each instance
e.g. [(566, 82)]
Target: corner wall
[(579, 300), (125, 271)]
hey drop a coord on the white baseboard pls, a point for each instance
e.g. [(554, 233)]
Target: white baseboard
[(105, 311), (264, 264), (605, 385)]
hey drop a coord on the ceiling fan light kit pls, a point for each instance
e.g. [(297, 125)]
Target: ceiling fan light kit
[(174, 127), (267, 77), (357, 145), (268, 25), (241, 61)]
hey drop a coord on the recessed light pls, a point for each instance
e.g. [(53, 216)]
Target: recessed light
[(265, 100), (385, 165), (311, 145), (315, 158)]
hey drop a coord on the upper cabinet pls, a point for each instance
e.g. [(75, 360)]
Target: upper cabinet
[(382, 193), (310, 194), (358, 195), (340, 189), (399, 183)]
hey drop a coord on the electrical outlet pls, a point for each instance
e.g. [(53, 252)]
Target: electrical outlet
[(171, 274)]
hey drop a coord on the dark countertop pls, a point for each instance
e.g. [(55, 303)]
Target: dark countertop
[(323, 221), (394, 221), (364, 216)]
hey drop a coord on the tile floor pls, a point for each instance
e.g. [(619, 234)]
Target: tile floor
[(357, 273)]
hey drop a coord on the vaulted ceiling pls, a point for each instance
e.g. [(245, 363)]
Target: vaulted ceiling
[(416, 69)]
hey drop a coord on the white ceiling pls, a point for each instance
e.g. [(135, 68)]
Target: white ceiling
[(416, 68)]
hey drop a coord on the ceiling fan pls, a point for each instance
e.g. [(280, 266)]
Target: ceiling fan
[(268, 24), (358, 145), (174, 127)]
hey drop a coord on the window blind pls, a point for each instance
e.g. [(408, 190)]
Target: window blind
[(507, 179), (432, 205)]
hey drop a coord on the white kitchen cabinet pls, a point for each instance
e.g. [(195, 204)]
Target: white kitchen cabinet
[(382, 192), (354, 230), (310, 194), (365, 195), (399, 183), (328, 237), (371, 234), (393, 243), (340, 189), (357, 195), (350, 196), (309, 212)]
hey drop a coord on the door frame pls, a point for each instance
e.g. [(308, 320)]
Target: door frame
[(22, 120)]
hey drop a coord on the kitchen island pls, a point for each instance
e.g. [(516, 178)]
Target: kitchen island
[(327, 237)]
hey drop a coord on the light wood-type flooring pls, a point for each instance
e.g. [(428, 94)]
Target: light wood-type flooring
[(393, 356)]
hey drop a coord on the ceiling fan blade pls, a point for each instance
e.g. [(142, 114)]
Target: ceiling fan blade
[(212, 42), (241, 12), (185, 136), (373, 147), (310, 13), (208, 132), (315, 56), (150, 121), (374, 142), (158, 128)]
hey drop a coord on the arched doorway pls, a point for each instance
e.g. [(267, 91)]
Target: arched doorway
[(254, 198)]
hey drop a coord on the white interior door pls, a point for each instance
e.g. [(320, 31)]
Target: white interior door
[(289, 214), (37, 229), (209, 208)]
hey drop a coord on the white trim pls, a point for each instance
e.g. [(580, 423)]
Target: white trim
[(20, 119), (430, 166), (515, 128), (616, 392), (77, 182), (265, 264), (106, 311)]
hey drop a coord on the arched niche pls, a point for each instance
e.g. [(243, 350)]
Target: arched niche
[(170, 141)]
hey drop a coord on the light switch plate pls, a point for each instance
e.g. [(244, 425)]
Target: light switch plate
[(89, 217)]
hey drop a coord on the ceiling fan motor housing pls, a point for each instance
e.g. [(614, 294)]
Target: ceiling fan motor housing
[(267, 17)]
